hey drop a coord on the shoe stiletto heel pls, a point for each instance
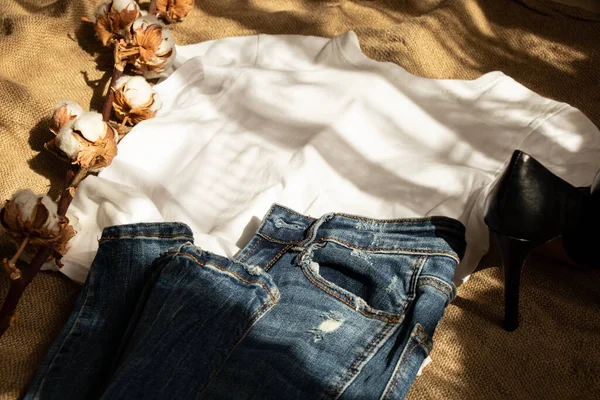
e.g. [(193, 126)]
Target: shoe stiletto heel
[(527, 206), (513, 252)]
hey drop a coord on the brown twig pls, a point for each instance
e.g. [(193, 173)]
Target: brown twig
[(116, 74), (11, 265), (75, 175), (7, 313), (107, 107)]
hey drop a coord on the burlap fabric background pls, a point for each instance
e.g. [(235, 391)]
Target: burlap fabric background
[(46, 53)]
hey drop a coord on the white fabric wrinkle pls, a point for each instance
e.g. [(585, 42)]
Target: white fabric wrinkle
[(312, 123)]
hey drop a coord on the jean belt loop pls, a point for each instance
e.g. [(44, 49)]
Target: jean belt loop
[(314, 228)]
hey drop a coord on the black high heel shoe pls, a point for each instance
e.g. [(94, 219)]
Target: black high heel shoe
[(529, 206)]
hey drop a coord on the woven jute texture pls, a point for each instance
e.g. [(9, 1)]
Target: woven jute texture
[(47, 53)]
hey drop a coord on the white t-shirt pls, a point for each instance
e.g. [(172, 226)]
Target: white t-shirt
[(314, 124)]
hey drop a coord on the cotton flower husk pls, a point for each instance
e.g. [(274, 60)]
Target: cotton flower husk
[(32, 216), (88, 141), (111, 18), (149, 46), (134, 100), (65, 113), (174, 10), (27, 214)]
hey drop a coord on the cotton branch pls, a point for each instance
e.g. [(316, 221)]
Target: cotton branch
[(75, 174)]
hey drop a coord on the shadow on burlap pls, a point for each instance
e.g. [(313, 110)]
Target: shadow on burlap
[(47, 54)]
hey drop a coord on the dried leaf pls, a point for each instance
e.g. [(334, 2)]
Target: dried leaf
[(141, 46), (60, 118), (174, 10), (103, 29), (111, 24), (148, 41), (65, 112), (62, 244)]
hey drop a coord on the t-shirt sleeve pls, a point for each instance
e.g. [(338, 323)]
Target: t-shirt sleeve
[(567, 143)]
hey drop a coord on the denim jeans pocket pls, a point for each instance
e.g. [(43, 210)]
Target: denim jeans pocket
[(373, 282), (416, 350)]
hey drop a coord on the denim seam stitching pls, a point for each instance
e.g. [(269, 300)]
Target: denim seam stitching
[(311, 234), (336, 240), (422, 219), (385, 221), (103, 239), (365, 352), (436, 287), (398, 250), (431, 281), (417, 268), (228, 271), (274, 260), (362, 356), (366, 313), (251, 251), (267, 306), (266, 218), (399, 377), (417, 264), (420, 341), (274, 240), (424, 341), (251, 318)]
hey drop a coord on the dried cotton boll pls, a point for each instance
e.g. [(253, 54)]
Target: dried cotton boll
[(91, 126), (136, 90), (167, 47), (62, 246), (120, 5), (35, 218), (29, 215), (89, 141), (174, 10), (65, 112), (148, 46), (135, 100), (111, 18), (18, 212)]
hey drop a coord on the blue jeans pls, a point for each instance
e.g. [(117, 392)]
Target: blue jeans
[(335, 307)]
